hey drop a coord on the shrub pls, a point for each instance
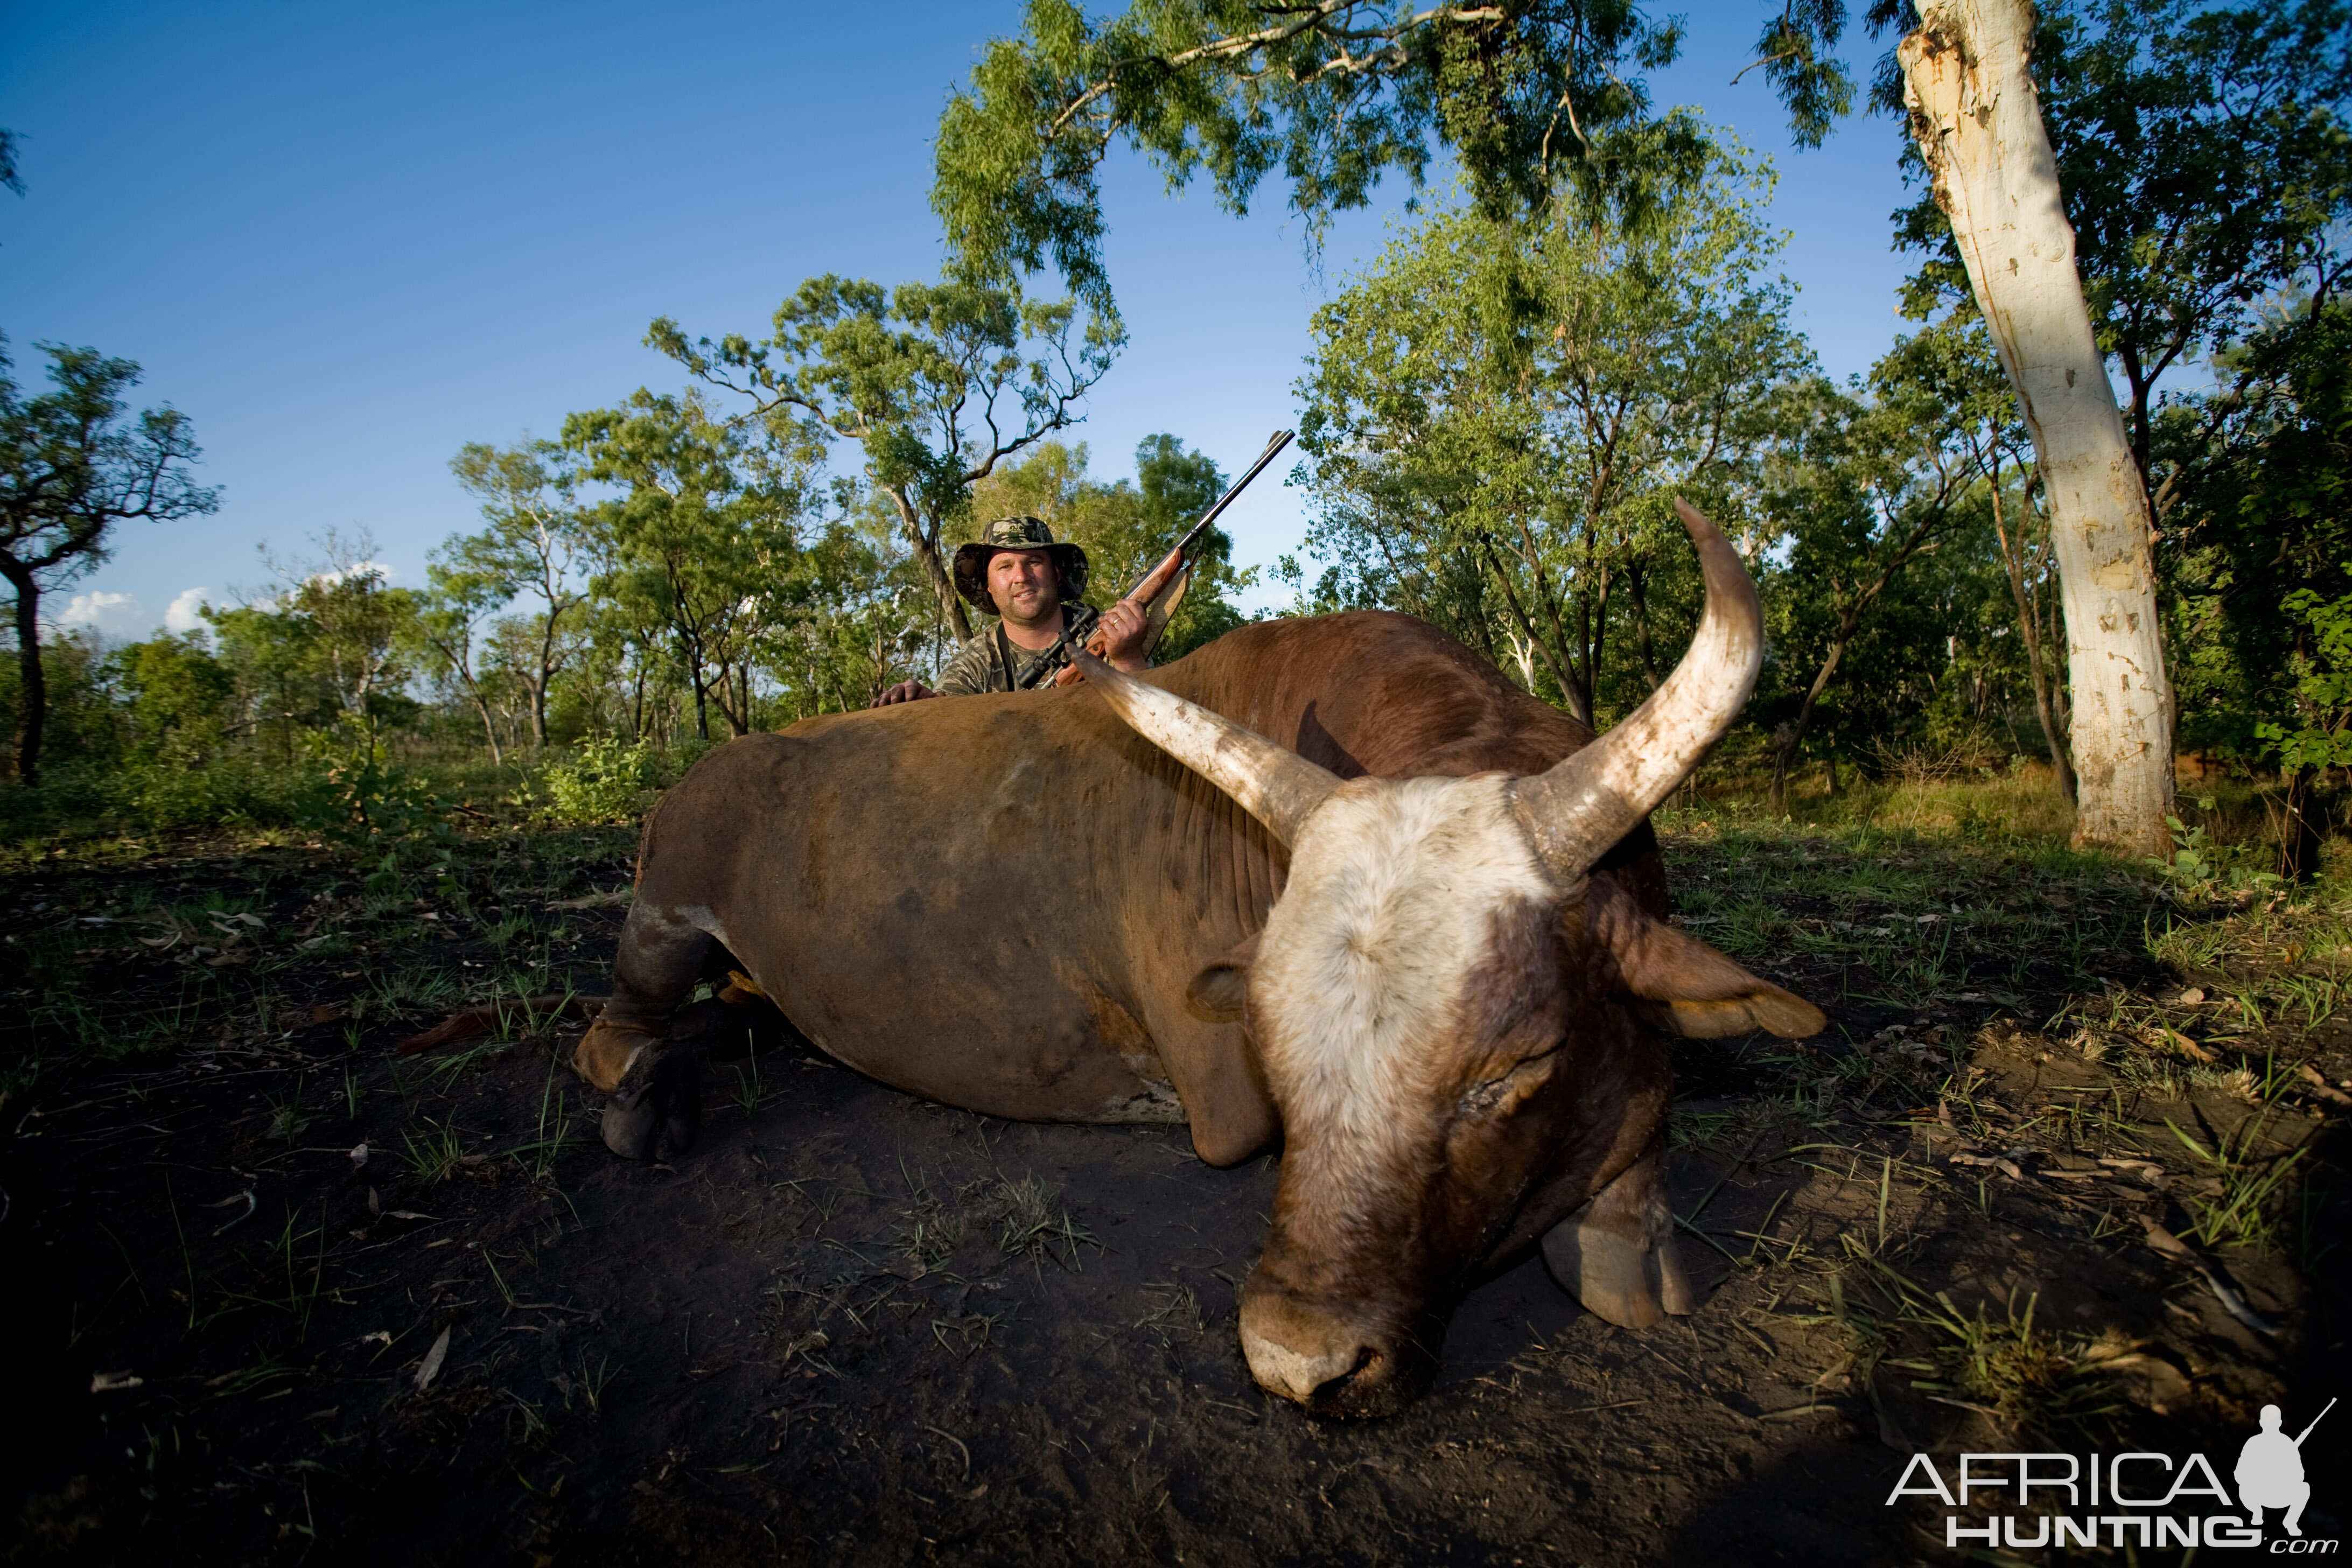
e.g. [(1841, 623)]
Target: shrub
[(604, 780)]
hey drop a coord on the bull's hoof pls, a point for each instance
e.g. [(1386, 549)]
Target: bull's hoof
[(1632, 1280), (657, 1109)]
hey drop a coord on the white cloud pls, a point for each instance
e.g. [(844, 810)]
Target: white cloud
[(109, 614), (182, 617)]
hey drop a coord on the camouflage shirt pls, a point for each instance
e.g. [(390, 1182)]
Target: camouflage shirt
[(993, 662)]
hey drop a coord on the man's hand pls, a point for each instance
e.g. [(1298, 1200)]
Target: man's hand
[(1119, 638), (905, 691)]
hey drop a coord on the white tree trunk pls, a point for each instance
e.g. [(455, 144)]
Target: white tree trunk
[(1978, 120)]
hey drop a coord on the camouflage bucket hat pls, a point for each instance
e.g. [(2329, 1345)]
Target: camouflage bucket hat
[(1016, 533)]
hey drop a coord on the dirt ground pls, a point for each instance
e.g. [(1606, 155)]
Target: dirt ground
[(282, 1296)]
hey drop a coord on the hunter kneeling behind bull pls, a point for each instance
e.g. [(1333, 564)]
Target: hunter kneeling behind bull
[(1017, 571), (1422, 942)]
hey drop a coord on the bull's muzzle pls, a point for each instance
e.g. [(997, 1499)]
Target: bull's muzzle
[(1345, 1359)]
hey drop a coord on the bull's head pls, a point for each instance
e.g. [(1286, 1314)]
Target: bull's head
[(1455, 1009)]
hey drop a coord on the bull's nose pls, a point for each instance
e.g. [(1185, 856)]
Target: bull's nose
[(1301, 1372), (1335, 1364)]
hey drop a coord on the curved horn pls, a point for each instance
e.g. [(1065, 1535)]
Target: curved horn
[(1272, 783), (1591, 800)]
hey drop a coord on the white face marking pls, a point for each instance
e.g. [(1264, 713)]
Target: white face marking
[(1391, 903)]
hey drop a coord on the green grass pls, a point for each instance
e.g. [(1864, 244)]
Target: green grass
[(2252, 1188), (436, 1157)]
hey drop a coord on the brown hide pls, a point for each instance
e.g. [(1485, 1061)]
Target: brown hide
[(1000, 901)]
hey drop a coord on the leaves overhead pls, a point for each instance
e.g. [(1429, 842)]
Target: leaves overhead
[(1525, 94), (2207, 168)]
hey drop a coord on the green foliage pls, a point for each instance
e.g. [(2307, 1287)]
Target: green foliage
[(1888, 580), (1498, 417), (178, 696), (2203, 868), (701, 541), (603, 780), (2322, 687), (938, 384), (386, 815), (68, 473), (1523, 96), (2259, 550)]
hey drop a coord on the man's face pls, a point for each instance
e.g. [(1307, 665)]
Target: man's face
[(1024, 584)]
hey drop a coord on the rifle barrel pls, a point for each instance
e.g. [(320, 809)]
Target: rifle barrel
[(1274, 446), (2314, 1421)]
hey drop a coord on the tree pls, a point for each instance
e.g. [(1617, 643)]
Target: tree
[(534, 547), (938, 382), (701, 538), (1498, 417), (326, 650), (2205, 165), (70, 472), (1976, 117), (1866, 488), (449, 624), (178, 694), (2261, 562), (1337, 92)]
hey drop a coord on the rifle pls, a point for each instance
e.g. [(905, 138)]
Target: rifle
[(1148, 590), (2314, 1421)]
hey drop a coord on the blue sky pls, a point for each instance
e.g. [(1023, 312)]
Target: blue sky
[(346, 240)]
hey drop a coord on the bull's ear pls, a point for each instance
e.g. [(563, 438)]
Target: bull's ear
[(1683, 984), (1217, 992)]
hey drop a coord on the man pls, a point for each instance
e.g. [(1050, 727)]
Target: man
[(1016, 572), (2270, 1472)]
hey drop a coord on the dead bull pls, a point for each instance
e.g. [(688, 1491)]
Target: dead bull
[(1423, 944)]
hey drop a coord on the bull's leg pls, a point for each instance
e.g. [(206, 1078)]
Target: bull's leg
[(656, 1087), (1616, 1254)]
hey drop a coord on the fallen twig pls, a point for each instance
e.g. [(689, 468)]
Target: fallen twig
[(2179, 1251)]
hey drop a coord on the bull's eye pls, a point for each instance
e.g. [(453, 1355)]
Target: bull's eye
[(1483, 1099)]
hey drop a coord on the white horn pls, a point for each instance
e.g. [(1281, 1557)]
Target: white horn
[(1272, 783), (1591, 800)]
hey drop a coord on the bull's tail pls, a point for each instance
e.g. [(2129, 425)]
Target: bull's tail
[(517, 1016)]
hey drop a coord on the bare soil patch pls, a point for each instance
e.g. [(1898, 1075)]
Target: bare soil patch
[(855, 1327)]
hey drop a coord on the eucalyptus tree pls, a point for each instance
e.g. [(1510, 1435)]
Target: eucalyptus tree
[(449, 626), (70, 470), (1499, 415), (701, 536), (2211, 167), (2204, 160), (1869, 481), (1978, 120), (536, 548), (938, 384)]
